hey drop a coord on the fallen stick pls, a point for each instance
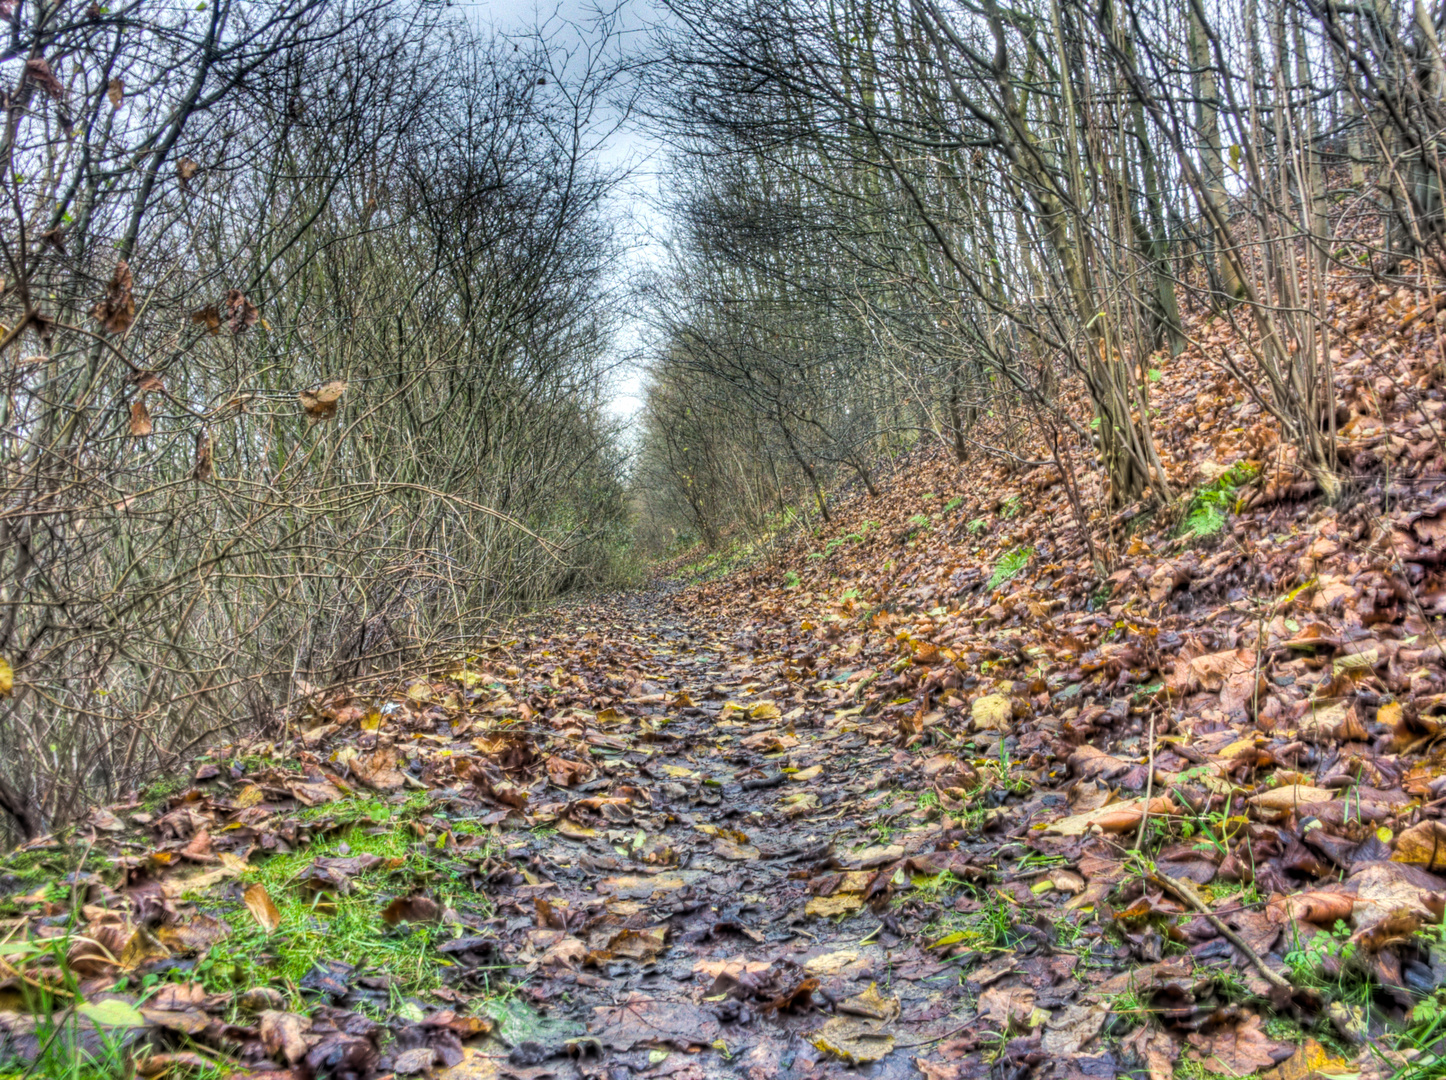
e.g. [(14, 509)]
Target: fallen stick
[(1185, 891)]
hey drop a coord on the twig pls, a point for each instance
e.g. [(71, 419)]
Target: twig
[(1185, 891), (1149, 786), (936, 1038)]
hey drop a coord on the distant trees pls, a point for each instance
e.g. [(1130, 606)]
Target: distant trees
[(302, 330), (991, 207)]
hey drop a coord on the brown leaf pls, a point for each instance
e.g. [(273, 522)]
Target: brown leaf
[(99, 951), (645, 1021), (1320, 908), (38, 71), (262, 908), (566, 773), (1423, 845), (642, 946), (176, 1063), (140, 419), (241, 314), (378, 770), (1009, 1007), (204, 469), (1234, 1049), (209, 317), (1283, 800), (282, 1035), (199, 932), (321, 405), (417, 909), (186, 169), (116, 91), (118, 310)]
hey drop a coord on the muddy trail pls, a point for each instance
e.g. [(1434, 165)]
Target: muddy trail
[(639, 837)]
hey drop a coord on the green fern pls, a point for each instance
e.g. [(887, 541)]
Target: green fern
[(1009, 566)]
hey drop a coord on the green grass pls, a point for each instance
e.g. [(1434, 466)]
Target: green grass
[(348, 927), (1009, 566), (990, 929)]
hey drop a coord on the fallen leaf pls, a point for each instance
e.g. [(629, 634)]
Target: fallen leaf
[(282, 1034), (1237, 1049), (1423, 844), (826, 907), (417, 909), (262, 908), (992, 712)]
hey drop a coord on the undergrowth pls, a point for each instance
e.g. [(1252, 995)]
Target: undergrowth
[(1211, 504)]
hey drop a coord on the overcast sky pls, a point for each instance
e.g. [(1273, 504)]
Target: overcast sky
[(572, 23)]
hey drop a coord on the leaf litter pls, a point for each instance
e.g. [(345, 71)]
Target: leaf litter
[(874, 809)]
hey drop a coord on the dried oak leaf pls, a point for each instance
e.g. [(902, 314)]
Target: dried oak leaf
[(118, 310), (321, 404), (209, 317), (204, 468), (241, 314), (186, 169), (116, 91), (140, 419), (38, 71)]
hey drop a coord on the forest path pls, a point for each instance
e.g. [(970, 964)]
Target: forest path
[(722, 880), (661, 834)]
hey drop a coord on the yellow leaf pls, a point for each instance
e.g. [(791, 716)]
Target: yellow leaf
[(826, 907), (7, 677), (259, 903)]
